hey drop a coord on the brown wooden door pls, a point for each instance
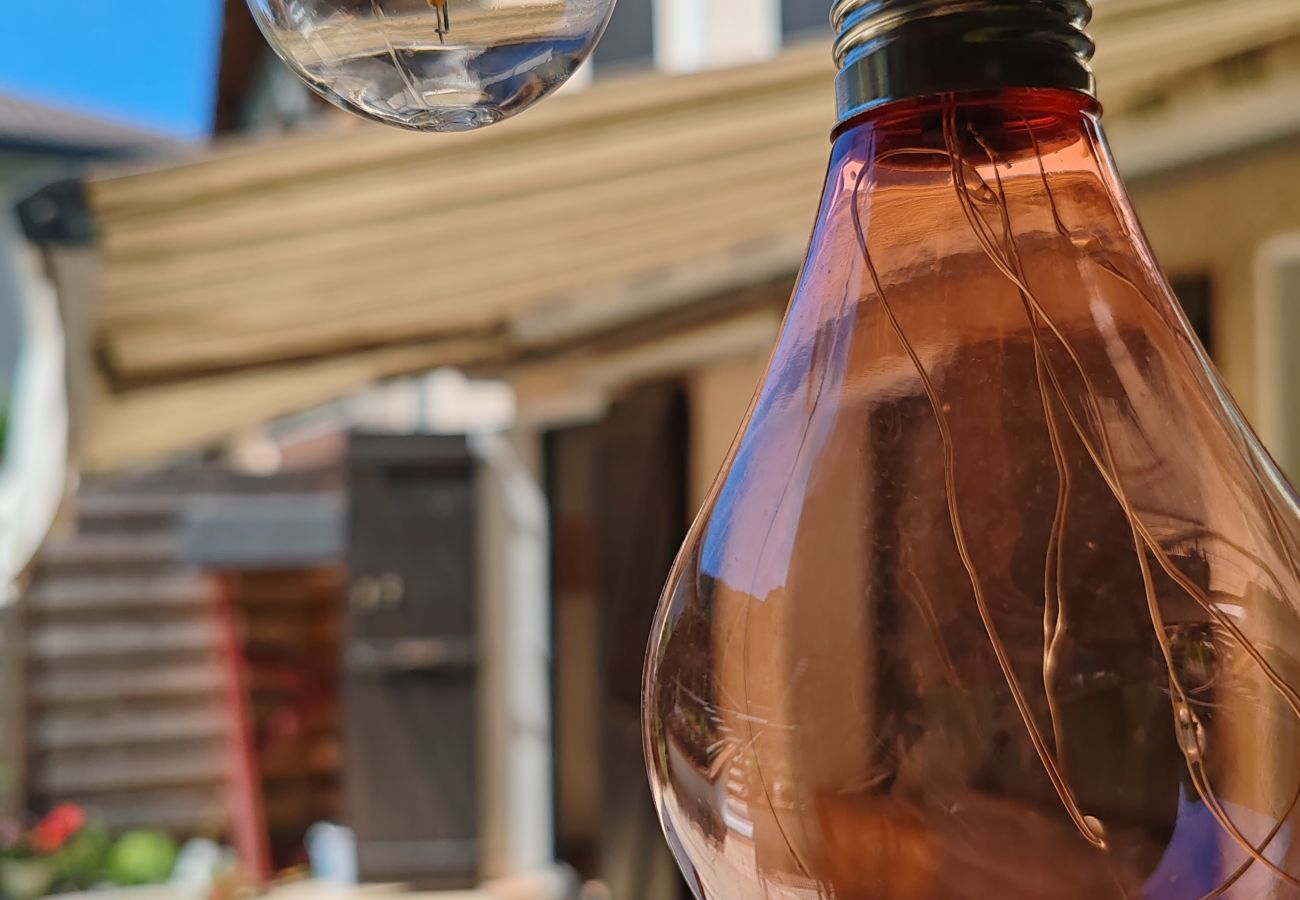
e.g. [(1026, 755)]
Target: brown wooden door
[(410, 660)]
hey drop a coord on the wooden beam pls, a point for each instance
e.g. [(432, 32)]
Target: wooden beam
[(149, 424), (1251, 116), (550, 391)]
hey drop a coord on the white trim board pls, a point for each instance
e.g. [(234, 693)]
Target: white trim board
[(1277, 322), (691, 35)]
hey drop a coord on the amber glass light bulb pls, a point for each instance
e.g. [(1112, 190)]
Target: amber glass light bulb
[(996, 596)]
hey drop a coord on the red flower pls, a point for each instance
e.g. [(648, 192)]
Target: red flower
[(55, 829)]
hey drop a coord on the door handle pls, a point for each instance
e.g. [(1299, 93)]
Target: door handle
[(371, 594), (392, 590), (413, 655), (364, 595)]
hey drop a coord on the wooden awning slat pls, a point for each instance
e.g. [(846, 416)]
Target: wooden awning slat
[(440, 188), (134, 282)]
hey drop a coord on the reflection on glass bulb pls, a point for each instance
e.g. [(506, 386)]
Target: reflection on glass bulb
[(997, 595), (433, 65)]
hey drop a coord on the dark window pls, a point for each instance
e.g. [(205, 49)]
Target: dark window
[(619, 494), (629, 40), (1195, 294), (805, 18)]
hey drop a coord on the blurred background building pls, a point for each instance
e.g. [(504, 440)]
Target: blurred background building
[(381, 445)]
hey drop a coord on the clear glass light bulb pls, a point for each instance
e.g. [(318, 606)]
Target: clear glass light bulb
[(997, 595), (433, 65)]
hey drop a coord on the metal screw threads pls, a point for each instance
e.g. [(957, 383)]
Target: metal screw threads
[(895, 49)]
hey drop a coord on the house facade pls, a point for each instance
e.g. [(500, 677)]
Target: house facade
[(620, 260)]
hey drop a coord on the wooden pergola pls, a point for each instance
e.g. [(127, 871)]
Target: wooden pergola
[(263, 277)]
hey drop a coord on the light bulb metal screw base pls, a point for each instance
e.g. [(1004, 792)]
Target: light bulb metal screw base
[(891, 50)]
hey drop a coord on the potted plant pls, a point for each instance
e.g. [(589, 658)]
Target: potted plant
[(63, 852)]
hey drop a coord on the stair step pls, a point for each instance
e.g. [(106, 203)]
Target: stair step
[(201, 678), (100, 771), (98, 551), (55, 594), (116, 511), (183, 810), (129, 726), (62, 643)]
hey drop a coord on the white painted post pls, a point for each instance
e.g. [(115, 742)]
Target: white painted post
[(514, 611), (1277, 315), (691, 35), (579, 80)]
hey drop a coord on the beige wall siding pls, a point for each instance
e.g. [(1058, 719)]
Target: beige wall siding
[(719, 397), (1215, 219)]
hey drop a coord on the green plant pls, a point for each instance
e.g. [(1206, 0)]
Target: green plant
[(63, 852), (79, 865), (140, 858)]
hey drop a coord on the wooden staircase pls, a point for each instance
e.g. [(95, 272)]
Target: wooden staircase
[(126, 676)]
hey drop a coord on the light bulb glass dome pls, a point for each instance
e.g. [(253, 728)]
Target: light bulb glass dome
[(997, 597), (433, 65)]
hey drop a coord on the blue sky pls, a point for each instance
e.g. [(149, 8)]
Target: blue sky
[(150, 63)]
